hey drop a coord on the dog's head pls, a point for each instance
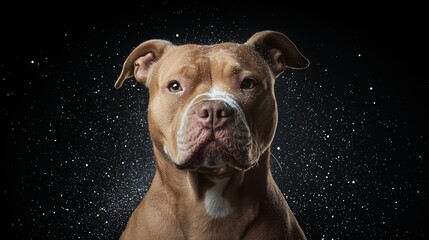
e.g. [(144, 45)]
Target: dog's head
[(212, 107)]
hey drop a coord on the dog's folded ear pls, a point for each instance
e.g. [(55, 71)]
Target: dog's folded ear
[(278, 50), (140, 60)]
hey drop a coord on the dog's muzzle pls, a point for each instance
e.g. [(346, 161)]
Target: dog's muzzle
[(214, 134)]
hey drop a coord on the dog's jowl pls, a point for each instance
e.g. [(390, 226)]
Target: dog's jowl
[(212, 116)]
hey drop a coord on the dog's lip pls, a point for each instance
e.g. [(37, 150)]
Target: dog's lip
[(198, 156), (195, 157), (188, 164)]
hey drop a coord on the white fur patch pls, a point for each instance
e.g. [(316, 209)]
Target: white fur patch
[(213, 94), (217, 206)]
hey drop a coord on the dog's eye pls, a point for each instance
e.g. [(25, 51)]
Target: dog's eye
[(174, 86), (247, 83)]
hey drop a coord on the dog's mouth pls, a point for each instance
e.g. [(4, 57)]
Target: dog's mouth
[(213, 157)]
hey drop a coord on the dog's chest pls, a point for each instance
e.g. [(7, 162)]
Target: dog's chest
[(215, 204)]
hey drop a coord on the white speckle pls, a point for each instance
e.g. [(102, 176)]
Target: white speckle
[(32, 61), (278, 148), (216, 205), (359, 55), (371, 88), (177, 35)]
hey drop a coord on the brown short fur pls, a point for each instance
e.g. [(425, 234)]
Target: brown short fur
[(186, 84)]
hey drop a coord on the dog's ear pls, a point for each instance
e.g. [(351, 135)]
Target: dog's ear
[(140, 60), (278, 50)]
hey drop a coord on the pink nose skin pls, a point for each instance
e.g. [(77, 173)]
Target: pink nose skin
[(213, 114)]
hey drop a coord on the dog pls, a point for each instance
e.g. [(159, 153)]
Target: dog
[(212, 116)]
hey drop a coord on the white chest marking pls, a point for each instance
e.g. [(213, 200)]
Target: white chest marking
[(217, 206)]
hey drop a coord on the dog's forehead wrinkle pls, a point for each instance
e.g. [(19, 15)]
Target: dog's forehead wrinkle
[(187, 70), (200, 62)]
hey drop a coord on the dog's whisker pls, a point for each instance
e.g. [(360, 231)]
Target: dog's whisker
[(277, 161)]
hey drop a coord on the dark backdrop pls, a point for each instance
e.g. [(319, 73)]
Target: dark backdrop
[(350, 147)]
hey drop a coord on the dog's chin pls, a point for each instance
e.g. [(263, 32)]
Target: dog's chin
[(216, 172)]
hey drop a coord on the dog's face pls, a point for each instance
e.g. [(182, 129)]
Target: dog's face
[(212, 107)]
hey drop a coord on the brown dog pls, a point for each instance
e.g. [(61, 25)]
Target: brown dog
[(212, 117)]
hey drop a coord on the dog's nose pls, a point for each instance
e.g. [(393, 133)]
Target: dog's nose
[(213, 114)]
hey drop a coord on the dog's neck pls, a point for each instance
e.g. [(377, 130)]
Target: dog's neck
[(183, 182), (206, 198)]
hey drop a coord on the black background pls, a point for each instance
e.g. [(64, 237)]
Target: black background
[(350, 147)]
